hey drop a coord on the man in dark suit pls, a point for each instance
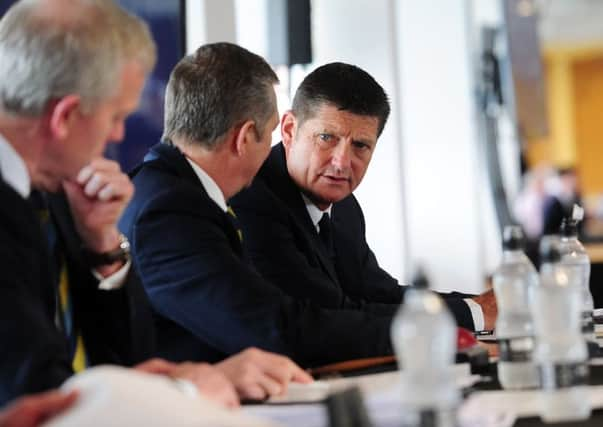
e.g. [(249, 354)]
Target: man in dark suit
[(303, 227), (68, 297), (209, 303)]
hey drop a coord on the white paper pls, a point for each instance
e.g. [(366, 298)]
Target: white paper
[(119, 397)]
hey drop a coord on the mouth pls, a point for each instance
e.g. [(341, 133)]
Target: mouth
[(333, 179)]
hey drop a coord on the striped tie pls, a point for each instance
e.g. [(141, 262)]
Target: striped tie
[(64, 319), (235, 222)]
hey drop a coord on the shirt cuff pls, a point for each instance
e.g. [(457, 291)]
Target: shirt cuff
[(114, 281), (476, 313)]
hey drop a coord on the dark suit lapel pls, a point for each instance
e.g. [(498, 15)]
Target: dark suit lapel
[(283, 185), (172, 158), (62, 219)]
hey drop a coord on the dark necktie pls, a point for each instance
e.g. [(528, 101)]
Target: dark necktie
[(61, 281), (326, 234)]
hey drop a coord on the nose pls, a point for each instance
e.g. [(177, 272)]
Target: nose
[(342, 155)]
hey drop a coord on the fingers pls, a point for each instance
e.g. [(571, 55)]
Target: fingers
[(281, 368), (209, 381), (258, 385), (301, 376), (32, 411), (104, 180), (97, 198), (156, 366), (257, 374), (53, 403), (487, 302)]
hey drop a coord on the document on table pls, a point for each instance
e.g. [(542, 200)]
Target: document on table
[(319, 390)]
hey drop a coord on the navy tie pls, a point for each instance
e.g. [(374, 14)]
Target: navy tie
[(326, 234)]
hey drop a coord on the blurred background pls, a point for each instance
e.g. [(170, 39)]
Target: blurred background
[(495, 112)]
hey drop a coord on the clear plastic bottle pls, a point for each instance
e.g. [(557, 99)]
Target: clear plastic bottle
[(577, 262), (560, 353), (514, 282), (424, 338)]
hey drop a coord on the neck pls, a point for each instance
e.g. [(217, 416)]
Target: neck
[(217, 163)]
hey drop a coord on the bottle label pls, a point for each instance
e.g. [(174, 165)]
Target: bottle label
[(563, 375), (588, 324), (436, 418), (518, 349), (428, 418)]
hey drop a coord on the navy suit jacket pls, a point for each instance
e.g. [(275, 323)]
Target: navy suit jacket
[(35, 354), (286, 249), (209, 302)]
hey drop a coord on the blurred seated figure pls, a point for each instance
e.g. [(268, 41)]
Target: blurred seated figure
[(528, 208), (545, 199), (563, 192)]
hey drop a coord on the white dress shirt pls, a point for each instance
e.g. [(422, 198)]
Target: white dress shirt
[(212, 189), (316, 214), (15, 174)]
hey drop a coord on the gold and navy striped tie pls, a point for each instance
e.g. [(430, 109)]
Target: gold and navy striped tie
[(64, 315), (235, 222)]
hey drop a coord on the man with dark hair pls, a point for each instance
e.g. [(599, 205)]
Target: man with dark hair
[(208, 301), (303, 227)]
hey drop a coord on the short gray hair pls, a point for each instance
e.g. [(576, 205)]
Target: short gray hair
[(219, 86), (47, 52)]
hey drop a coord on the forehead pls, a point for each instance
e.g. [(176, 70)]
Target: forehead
[(328, 118)]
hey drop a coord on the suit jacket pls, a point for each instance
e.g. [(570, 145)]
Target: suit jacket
[(114, 324), (286, 249), (209, 302)]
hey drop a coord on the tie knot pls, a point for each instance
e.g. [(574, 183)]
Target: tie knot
[(325, 222)]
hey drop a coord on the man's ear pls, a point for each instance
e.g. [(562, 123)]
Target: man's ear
[(246, 134), (62, 114), (288, 128)]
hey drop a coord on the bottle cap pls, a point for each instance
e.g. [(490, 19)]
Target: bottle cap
[(549, 249), (569, 228), (512, 237), (419, 279)]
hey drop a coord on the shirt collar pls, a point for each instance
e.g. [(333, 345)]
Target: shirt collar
[(212, 189), (314, 212), (13, 169)]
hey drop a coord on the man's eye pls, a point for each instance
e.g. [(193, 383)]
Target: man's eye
[(325, 137), (361, 146)]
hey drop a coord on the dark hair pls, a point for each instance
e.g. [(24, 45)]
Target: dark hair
[(344, 86), (216, 88)]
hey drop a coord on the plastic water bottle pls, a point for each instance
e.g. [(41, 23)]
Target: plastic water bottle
[(560, 353), (514, 282), (577, 263), (424, 338)]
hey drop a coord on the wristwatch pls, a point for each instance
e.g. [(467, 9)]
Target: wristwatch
[(121, 253)]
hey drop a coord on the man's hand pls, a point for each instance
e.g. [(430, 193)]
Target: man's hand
[(97, 199), (210, 382), (487, 302), (257, 374), (34, 410)]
